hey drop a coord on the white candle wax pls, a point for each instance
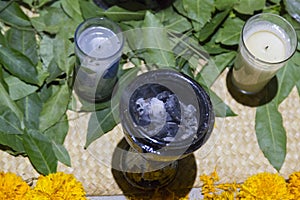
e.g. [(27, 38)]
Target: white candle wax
[(266, 46), (260, 56)]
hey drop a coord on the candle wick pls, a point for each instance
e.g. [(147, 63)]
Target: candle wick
[(266, 48)]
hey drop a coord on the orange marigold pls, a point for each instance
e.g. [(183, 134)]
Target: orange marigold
[(294, 185), (12, 187), (212, 191), (264, 186), (58, 186)]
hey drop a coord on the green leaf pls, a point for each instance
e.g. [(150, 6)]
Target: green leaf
[(100, 123), (58, 131), (3, 40), (18, 65), (220, 108), (104, 120), (275, 1), (46, 50), (10, 131), (72, 8), (31, 106), (210, 28), (156, 42), (12, 14), (173, 21), (54, 71), (225, 4), (287, 77), (213, 69), (19, 89), (6, 100), (54, 108), (12, 143), (40, 152), (89, 9), (271, 134), (51, 20), (116, 13), (9, 122), (249, 6), (231, 31), (199, 10), (62, 49), (61, 154), (25, 42)]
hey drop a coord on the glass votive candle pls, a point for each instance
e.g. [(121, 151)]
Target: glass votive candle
[(267, 42), (98, 48)]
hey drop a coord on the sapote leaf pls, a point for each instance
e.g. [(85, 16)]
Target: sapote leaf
[(100, 122), (40, 152), (11, 143), (3, 40), (6, 100), (19, 89), (104, 120), (199, 10), (54, 108), (61, 154), (9, 122), (24, 41), (19, 65), (249, 6), (287, 78), (58, 131), (230, 32), (156, 42), (51, 20), (270, 133), (89, 9), (62, 50), (12, 14), (31, 106), (116, 13), (173, 21), (46, 50), (220, 108), (210, 28), (212, 70), (72, 8), (10, 131), (225, 4)]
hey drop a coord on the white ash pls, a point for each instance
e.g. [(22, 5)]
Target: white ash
[(156, 110)]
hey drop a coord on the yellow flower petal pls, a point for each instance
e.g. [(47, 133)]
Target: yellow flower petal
[(12, 187), (264, 186), (58, 186)]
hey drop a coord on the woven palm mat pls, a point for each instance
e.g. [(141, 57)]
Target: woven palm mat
[(232, 148)]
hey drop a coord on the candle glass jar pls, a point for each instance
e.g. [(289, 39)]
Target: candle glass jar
[(267, 42), (98, 48), (165, 116)]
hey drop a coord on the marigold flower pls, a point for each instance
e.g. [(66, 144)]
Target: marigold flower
[(58, 186), (212, 191), (264, 186), (294, 185), (12, 187)]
